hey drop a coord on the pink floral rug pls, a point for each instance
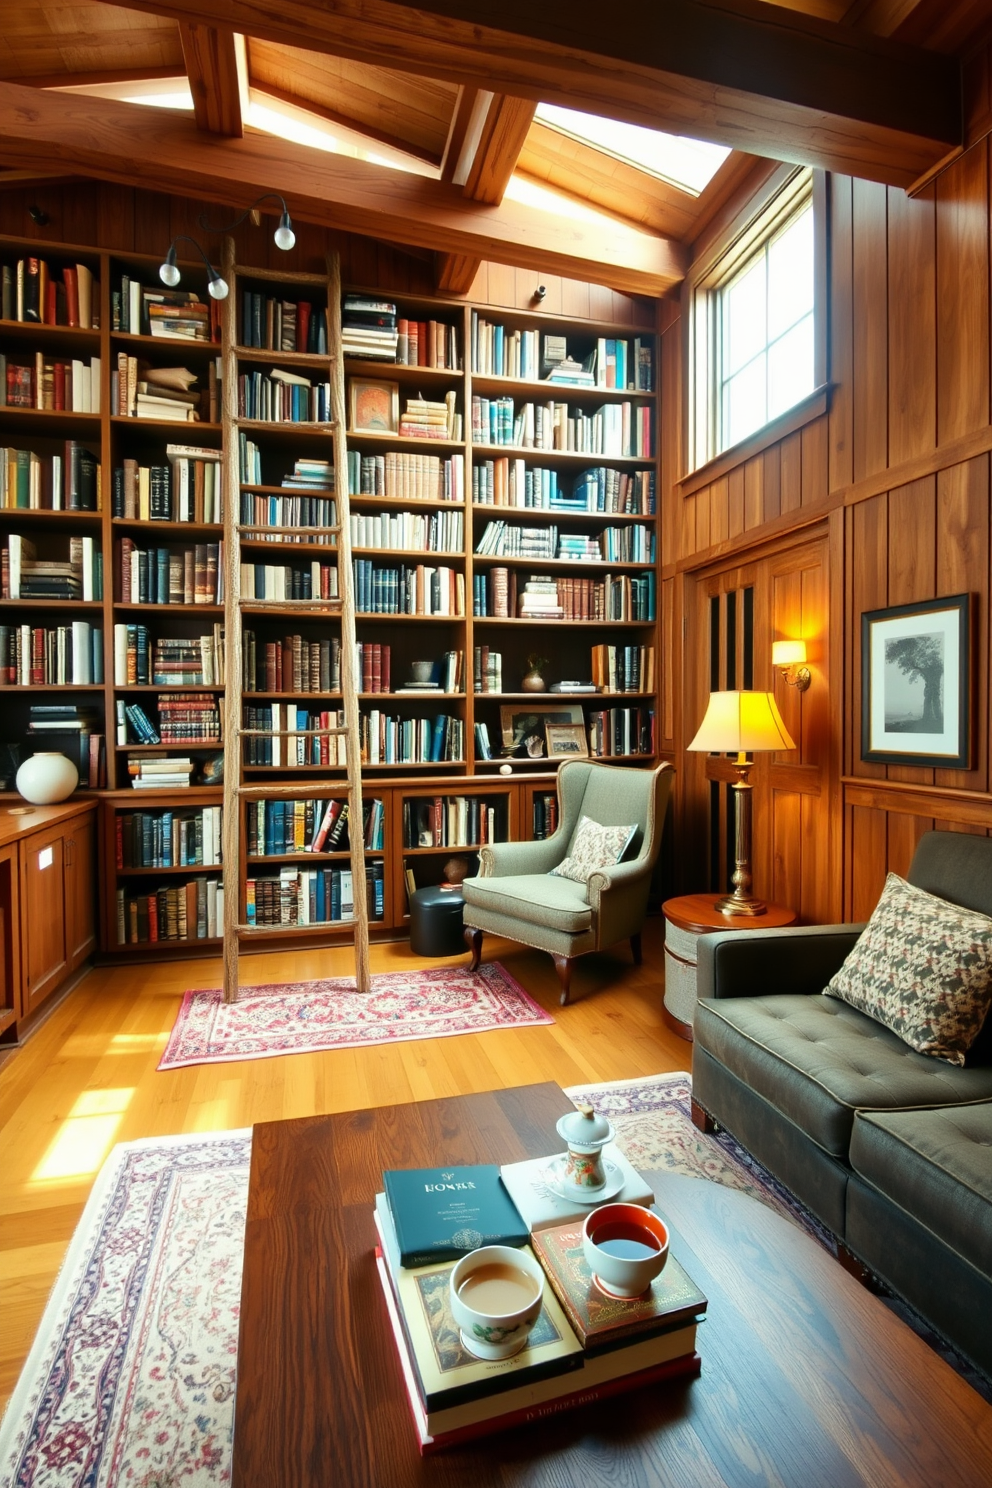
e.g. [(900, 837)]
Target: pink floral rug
[(302, 1017)]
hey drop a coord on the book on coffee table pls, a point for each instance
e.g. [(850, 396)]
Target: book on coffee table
[(533, 1187), (603, 1322), (531, 1400), (442, 1213)]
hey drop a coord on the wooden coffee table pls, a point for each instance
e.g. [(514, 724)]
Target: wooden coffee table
[(808, 1380)]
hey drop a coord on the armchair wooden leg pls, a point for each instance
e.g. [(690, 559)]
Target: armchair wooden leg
[(702, 1119), (473, 939), (635, 948), (563, 966)]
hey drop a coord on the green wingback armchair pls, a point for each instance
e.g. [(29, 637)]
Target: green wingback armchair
[(516, 896)]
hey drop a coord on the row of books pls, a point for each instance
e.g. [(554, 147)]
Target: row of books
[(487, 670), (183, 718), (438, 532), (544, 815), (187, 488), (33, 290), (168, 838), (282, 581), (429, 418), (294, 664), (388, 740), (619, 597), (623, 668), (427, 343), (193, 910), (177, 576), (185, 661), (452, 821), (529, 355), (620, 731), (407, 589), (512, 482), (70, 481), (312, 896), (277, 828), (281, 397), (308, 747), (173, 314), (67, 385), (617, 429), (77, 732), (404, 476), (262, 511), (631, 544), (40, 656), (26, 574), (140, 390), (271, 323)]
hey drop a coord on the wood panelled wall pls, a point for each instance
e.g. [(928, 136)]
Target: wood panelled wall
[(897, 469), (126, 219)]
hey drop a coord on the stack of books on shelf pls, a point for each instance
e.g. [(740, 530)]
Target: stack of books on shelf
[(279, 396), (424, 418), (584, 1347), (452, 821), (303, 748), (310, 475), (279, 582), (507, 540), (407, 589), (187, 661), (186, 911), (36, 656), (75, 731), (33, 482), (187, 488), (293, 664), (270, 323), (138, 390), (30, 290), (279, 828), (578, 547), (438, 532), (312, 896), (623, 668), (172, 314), (189, 718), (385, 740), (427, 343), (407, 477), (487, 670), (26, 575), (368, 328), (539, 599), (259, 512), (169, 839), (184, 576), (68, 386), (159, 772)]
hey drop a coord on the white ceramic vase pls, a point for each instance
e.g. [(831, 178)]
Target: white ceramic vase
[(46, 778)]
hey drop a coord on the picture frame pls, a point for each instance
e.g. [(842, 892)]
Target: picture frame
[(373, 406), (566, 740), (523, 726), (916, 684)]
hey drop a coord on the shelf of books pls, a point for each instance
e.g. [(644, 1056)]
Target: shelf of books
[(502, 472)]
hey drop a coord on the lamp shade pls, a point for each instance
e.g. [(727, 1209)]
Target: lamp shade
[(741, 722), (788, 653)]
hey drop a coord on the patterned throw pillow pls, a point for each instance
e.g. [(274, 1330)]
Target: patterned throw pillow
[(593, 847), (923, 967)]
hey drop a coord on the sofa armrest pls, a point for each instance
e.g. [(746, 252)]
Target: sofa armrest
[(755, 963)]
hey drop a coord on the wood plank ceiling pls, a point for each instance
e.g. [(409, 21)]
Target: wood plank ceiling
[(472, 140)]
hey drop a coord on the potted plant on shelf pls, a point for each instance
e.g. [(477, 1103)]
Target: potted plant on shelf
[(533, 680)]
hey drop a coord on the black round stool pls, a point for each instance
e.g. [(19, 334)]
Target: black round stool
[(436, 922)]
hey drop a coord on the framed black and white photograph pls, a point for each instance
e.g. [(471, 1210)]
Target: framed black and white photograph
[(566, 740), (915, 684)]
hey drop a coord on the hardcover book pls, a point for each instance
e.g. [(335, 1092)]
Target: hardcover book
[(533, 1189), (602, 1322), (442, 1213)]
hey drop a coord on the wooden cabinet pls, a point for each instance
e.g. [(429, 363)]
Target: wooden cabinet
[(43, 919), (80, 890)]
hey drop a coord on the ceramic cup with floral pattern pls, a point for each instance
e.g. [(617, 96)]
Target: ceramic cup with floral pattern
[(496, 1294)]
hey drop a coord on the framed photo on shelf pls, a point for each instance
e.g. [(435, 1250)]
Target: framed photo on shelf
[(523, 727), (373, 407), (915, 684), (566, 740)]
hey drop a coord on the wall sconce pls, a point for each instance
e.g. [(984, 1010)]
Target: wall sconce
[(539, 294), (790, 658), (38, 217), (284, 237), (169, 273)]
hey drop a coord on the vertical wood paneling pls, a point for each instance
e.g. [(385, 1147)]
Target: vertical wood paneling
[(814, 461), (912, 325), (787, 845), (735, 487), (869, 856), (703, 500), (912, 569), (575, 299), (963, 555), (870, 386), (600, 302), (502, 284), (963, 295), (771, 483), (669, 499), (903, 833), (840, 370), (668, 621), (754, 492), (792, 472), (869, 591), (720, 510)]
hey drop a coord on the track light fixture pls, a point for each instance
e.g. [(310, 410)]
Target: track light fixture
[(284, 236), (170, 275)]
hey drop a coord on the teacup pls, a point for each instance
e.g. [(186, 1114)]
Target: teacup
[(625, 1247), (496, 1294)]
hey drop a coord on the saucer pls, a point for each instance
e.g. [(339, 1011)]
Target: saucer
[(554, 1178)]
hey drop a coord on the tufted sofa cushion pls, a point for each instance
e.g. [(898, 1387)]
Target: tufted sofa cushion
[(816, 1060), (937, 1166)]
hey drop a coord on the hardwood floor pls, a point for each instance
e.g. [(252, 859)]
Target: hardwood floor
[(87, 1079)]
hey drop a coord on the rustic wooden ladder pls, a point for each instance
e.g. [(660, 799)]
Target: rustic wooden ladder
[(343, 607)]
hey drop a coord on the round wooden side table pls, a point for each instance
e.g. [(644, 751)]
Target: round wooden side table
[(686, 919)]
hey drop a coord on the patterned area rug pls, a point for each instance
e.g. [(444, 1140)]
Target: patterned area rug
[(301, 1017)]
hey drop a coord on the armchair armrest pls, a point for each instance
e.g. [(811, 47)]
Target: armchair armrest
[(507, 859), (618, 877), (757, 963)]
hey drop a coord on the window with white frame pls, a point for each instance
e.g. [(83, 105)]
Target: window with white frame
[(755, 331)]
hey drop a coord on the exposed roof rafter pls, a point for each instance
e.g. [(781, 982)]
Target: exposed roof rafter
[(217, 68)]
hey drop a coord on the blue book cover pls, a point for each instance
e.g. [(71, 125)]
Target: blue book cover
[(442, 1213)]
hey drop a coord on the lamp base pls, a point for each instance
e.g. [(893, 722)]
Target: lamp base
[(745, 905)]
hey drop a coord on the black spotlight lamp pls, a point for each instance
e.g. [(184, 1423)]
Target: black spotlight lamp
[(284, 237), (169, 270)]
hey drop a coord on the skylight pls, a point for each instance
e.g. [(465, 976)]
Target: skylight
[(688, 164)]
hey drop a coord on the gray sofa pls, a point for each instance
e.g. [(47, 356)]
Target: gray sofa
[(890, 1149)]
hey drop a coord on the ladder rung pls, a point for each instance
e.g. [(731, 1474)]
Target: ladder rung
[(326, 426), (337, 788), (260, 527), (290, 604), (315, 925), (290, 733)]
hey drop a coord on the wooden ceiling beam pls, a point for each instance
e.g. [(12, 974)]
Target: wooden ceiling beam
[(216, 67), (491, 144), (162, 149), (759, 77)]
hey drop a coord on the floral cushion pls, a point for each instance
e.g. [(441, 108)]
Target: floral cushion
[(593, 847), (923, 967)]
